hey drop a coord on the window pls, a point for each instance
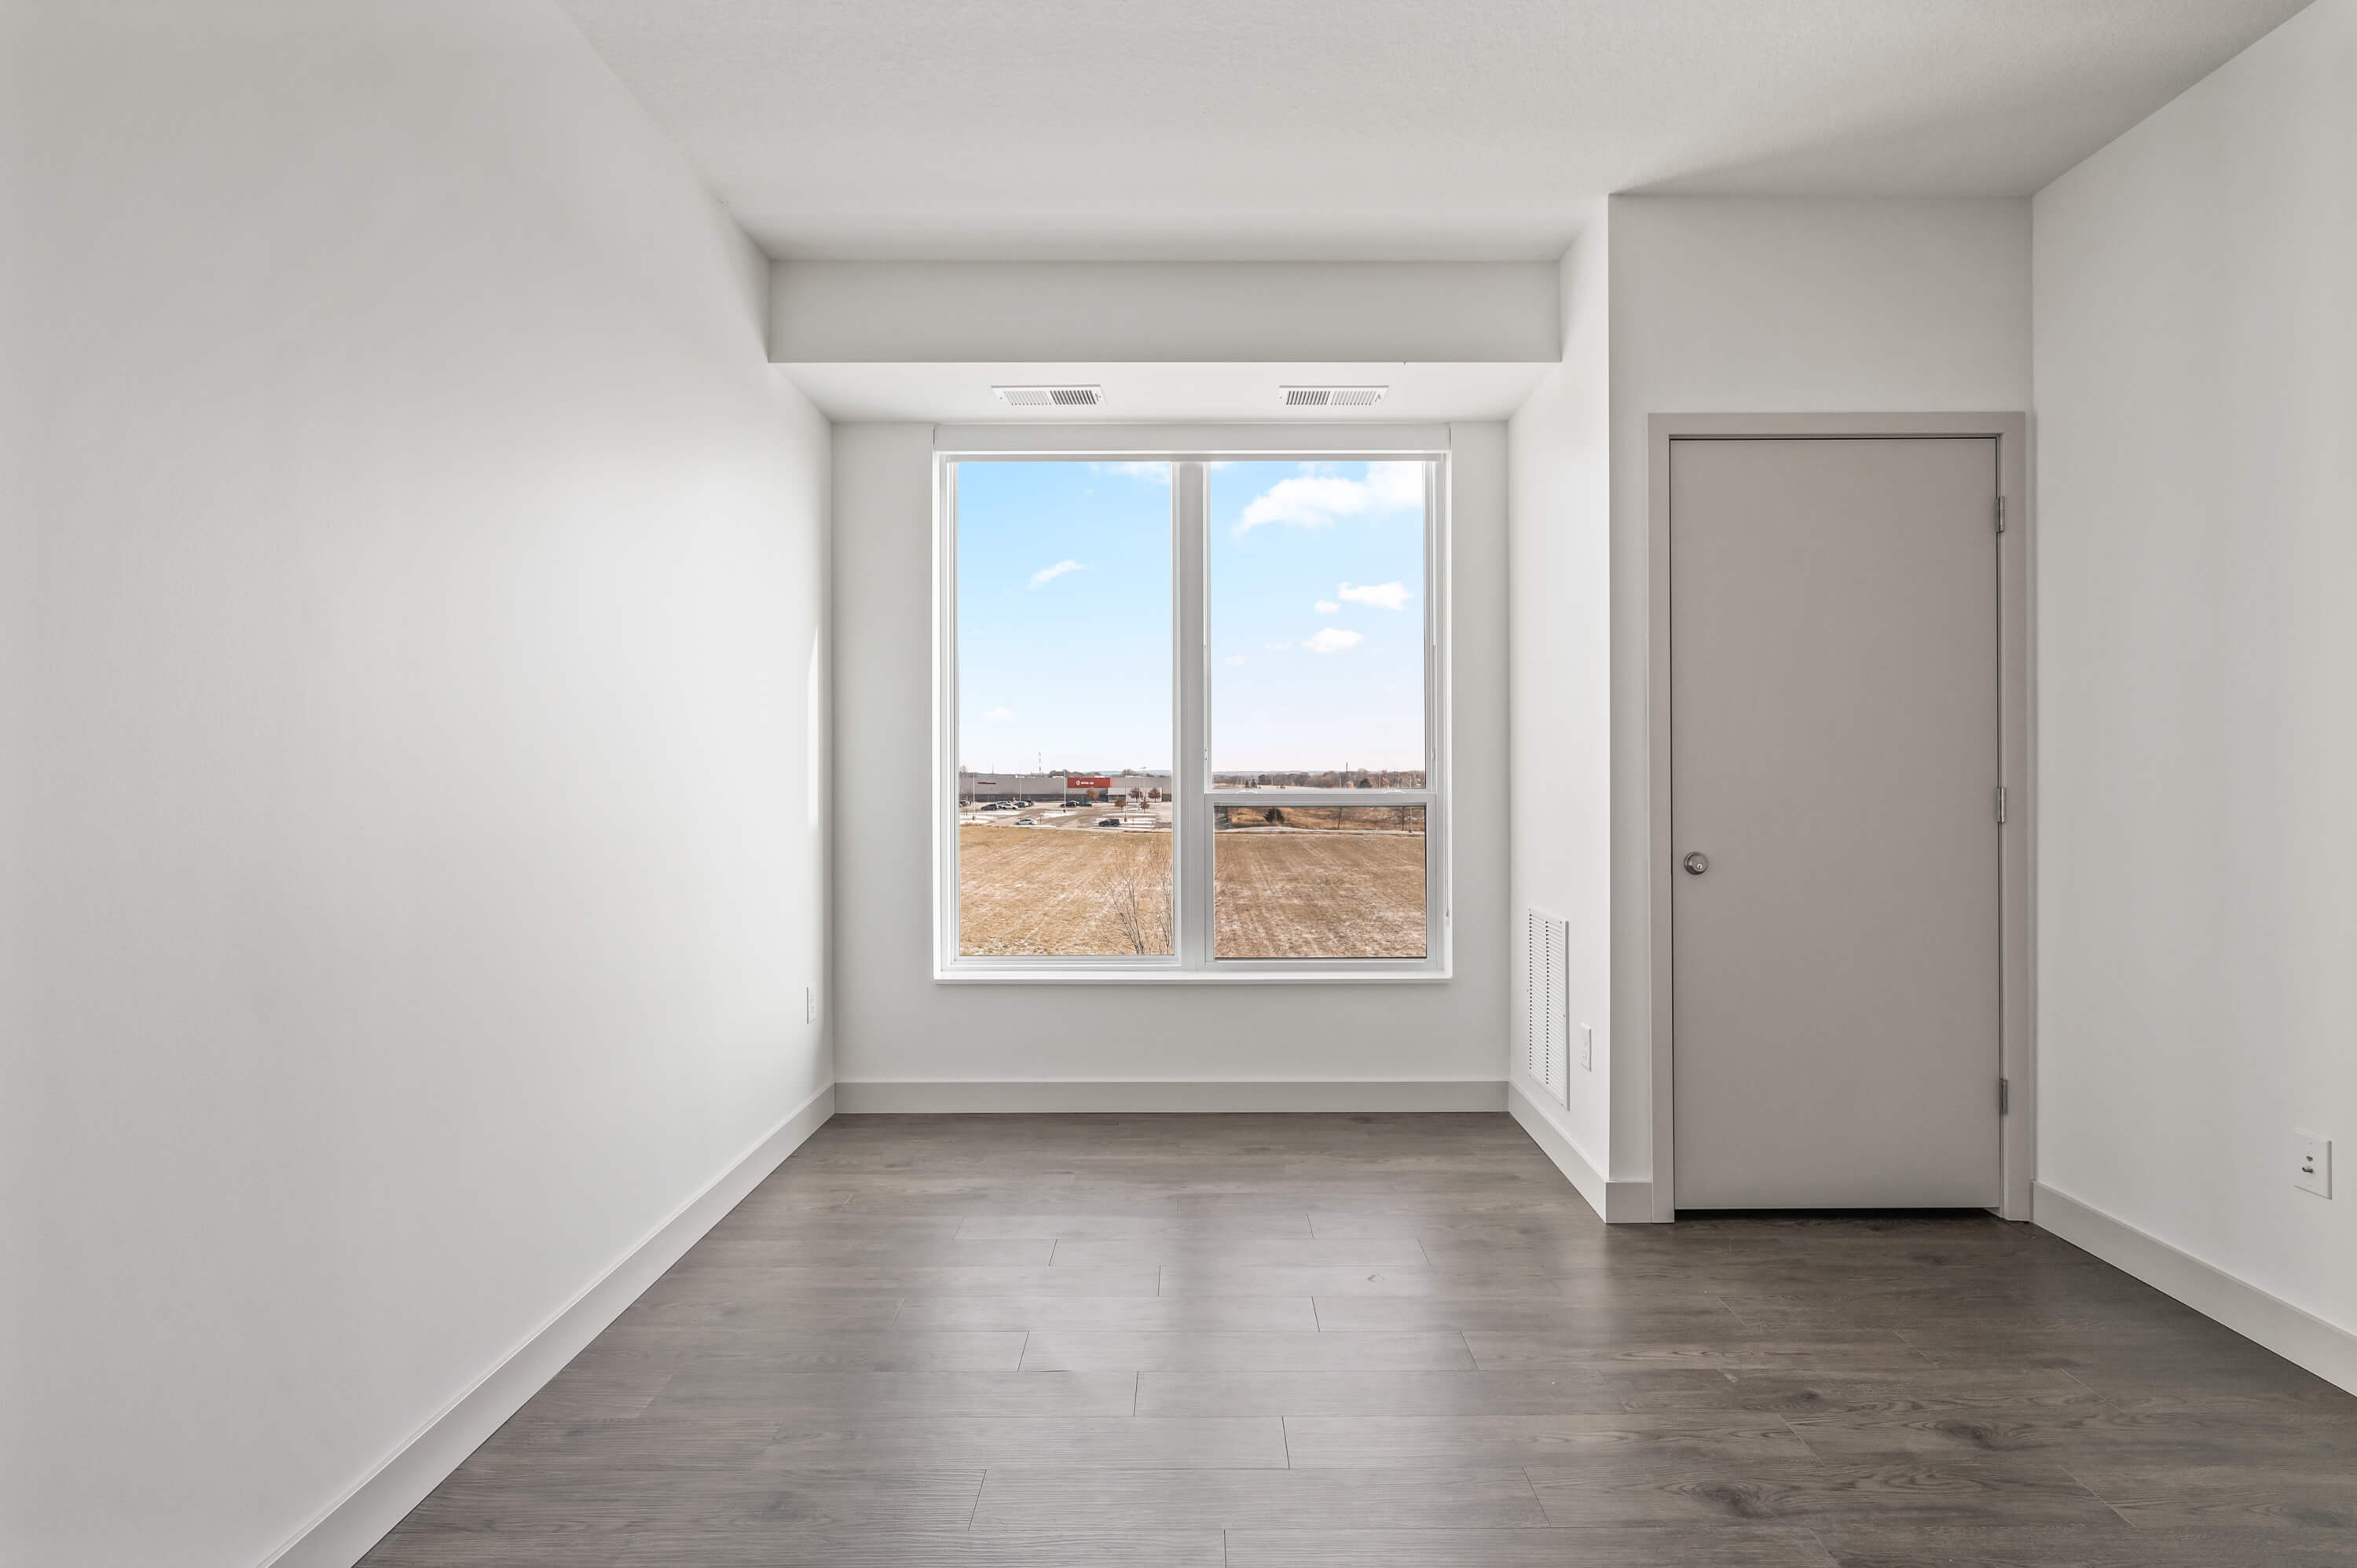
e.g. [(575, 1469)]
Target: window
[(1190, 717), (1063, 656)]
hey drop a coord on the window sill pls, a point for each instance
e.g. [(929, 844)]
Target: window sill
[(1110, 976)]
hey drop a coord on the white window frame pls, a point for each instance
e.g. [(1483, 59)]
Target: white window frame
[(1194, 962)]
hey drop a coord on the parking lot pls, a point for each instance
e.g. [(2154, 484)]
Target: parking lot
[(1153, 814)]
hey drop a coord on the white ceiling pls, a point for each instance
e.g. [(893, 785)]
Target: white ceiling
[(1406, 129)]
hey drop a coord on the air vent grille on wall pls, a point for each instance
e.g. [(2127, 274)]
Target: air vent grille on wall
[(1546, 1030), (1332, 397), (1050, 397)]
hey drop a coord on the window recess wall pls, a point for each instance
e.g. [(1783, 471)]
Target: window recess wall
[(905, 1041)]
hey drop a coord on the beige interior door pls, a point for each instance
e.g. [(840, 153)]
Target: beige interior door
[(1834, 767)]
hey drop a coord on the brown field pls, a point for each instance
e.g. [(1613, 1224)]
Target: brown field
[(1062, 891), (1352, 819), (1283, 893), (1317, 892)]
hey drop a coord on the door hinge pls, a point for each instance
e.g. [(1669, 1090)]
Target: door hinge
[(2003, 1097), (2000, 514), (2000, 804)]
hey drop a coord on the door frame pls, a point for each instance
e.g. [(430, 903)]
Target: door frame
[(2017, 774)]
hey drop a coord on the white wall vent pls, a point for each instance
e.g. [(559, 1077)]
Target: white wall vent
[(1050, 397), (1547, 1006), (1332, 397)]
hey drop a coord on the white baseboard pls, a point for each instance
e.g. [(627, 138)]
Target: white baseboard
[(2295, 1333), (1614, 1202), (950, 1097), (345, 1531)]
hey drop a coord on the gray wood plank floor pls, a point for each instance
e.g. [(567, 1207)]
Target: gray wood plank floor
[(1377, 1342)]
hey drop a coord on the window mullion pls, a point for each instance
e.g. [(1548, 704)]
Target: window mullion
[(1190, 764), (1437, 913)]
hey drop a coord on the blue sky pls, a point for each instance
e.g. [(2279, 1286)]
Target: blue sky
[(1064, 615), (1316, 616)]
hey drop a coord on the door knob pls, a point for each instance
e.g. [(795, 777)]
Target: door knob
[(1696, 863)]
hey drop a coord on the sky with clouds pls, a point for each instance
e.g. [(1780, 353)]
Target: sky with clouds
[(1316, 616)]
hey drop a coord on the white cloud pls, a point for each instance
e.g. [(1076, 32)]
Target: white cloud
[(1333, 639), (1314, 499), (1152, 473), (1326, 607), (1235, 659), (1049, 574), (1389, 596), (995, 715)]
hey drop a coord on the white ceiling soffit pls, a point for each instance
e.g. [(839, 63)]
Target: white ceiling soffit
[(1165, 311), (1406, 129), (960, 393)]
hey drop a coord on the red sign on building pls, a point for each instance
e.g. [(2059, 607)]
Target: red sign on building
[(1088, 783)]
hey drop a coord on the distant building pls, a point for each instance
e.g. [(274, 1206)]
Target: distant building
[(974, 785)]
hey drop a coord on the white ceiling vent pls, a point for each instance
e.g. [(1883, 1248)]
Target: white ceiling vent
[(1332, 397), (1050, 397)]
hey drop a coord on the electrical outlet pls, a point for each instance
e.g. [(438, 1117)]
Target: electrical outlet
[(810, 1003), (1588, 1046), (2312, 1163)]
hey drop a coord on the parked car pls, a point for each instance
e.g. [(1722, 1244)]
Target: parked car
[(1027, 821), (1108, 821)]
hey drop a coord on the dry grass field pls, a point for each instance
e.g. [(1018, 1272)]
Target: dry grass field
[(1348, 818), (1290, 893), (1062, 891), (1281, 893)]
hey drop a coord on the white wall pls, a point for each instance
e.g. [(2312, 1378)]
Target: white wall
[(1749, 306), (1559, 552), (421, 858), (1150, 312), (19, 562), (2197, 473), (894, 1025)]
